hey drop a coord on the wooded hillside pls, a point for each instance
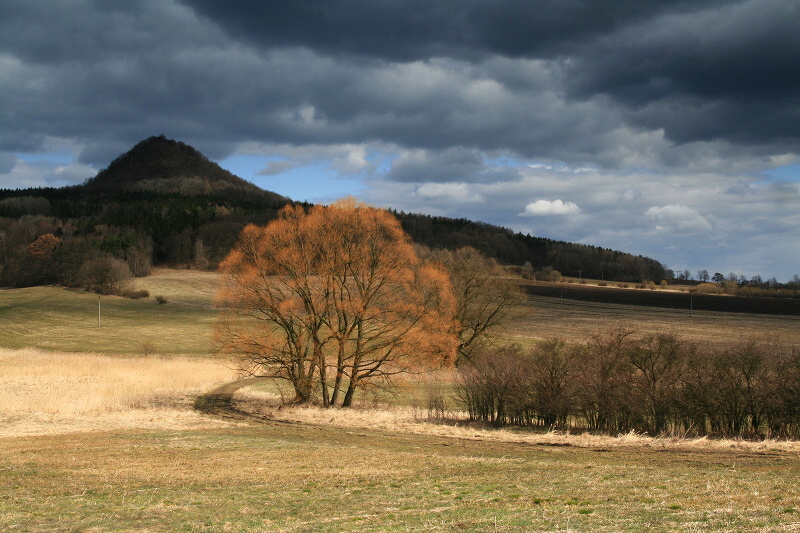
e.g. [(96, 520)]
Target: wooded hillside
[(163, 202)]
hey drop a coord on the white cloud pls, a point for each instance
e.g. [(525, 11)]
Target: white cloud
[(45, 173), (455, 192), (353, 162), (678, 218), (547, 207), (274, 168)]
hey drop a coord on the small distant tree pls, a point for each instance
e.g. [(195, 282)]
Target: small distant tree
[(41, 252), (486, 299), (200, 257), (702, 275), (554, 367), (718, 278), (44, 246), (495, 386), (140, 256), (607, 400), (334, 298), (104, 275)]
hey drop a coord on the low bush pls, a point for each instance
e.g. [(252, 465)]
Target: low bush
[(707, 288), (135, 294), (656, 384)]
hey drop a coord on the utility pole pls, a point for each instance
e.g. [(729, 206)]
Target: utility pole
[(98, 309)]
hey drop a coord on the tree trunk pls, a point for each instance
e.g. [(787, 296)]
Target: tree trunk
[(323, 380), (348, 397)]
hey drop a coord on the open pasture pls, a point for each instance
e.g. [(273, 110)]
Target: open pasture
[(546, 317), (56, 318), (298, 477), (78, 456)]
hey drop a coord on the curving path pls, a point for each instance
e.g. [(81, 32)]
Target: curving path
[(219, 402)]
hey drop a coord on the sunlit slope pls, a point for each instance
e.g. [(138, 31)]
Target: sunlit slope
[(55, 318)]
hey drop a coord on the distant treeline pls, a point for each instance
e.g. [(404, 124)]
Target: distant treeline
[(511, 248), (785, 301), (197, 228)]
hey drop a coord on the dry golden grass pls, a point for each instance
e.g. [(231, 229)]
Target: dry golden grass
[(380, 467), (55, 392), (414, 420)]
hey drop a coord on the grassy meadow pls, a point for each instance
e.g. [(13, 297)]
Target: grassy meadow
[(57, 318), (98, 433), (572, 320)]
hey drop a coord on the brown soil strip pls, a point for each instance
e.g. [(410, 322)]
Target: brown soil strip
[(219, 402)]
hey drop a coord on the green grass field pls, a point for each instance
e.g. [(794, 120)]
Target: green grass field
[(281, 476), (572, 320), (278, 477), (55, 318)]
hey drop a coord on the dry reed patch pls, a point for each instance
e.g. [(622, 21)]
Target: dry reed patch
[(413, 420), (54, 392)]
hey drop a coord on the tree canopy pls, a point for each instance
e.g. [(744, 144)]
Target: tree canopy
[(334, 298), (485, 299)]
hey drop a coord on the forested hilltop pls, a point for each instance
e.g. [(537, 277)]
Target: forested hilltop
[(164, 203)]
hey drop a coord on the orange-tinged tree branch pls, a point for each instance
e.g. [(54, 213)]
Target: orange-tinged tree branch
[(331, 298)]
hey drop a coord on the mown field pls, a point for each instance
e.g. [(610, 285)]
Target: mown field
[(146, 461), (576, 320)]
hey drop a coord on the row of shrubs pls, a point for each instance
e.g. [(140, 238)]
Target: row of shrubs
[(138, 294), (657, 384)]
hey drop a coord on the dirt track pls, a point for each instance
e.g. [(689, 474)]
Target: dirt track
[(219, 402)]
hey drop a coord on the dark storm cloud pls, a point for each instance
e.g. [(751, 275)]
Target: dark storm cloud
[(407, 30), (7, 162), (633, 114), (103, 73), (552, 79), (699, 70), (453, 164), (725, 72)]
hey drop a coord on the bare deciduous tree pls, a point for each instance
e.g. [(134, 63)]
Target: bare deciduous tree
[(104, 275), (334, 297), (486, 298)]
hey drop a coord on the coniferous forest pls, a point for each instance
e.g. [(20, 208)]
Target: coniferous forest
[(164, 203)]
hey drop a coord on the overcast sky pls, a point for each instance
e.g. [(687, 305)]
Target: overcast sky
[(667, 128)]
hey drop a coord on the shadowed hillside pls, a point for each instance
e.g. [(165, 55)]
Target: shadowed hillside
[(165, 203), (166, 166)]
